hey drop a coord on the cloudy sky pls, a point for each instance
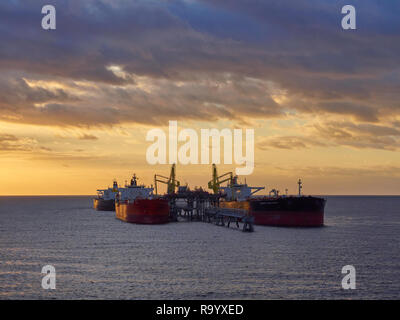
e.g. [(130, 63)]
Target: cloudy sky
[(76, 102)]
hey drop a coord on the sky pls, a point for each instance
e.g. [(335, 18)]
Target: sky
[(77, 102)]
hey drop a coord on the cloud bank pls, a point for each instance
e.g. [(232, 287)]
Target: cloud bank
[(117, 62)]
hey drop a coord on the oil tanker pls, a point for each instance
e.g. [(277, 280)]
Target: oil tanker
[(105, 200), (137, 204), (272, 210)]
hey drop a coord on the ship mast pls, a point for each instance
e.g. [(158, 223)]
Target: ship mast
[(115, 186), (300, 183)]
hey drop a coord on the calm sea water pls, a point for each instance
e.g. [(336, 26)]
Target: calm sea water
[(99, 257)]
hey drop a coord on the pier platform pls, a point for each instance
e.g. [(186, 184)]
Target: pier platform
[(199, 205)]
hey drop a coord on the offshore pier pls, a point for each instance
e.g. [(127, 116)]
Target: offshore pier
[(199, 205)]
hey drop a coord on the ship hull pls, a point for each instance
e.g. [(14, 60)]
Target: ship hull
[(143, 211), (103, 205), (283, 211)]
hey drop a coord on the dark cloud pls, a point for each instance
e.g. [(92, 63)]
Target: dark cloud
[(88, 137), (360, 135), (365, 171), (166, 39), (10, 143), (360, 112), (225, 97), (340, 133), (290, 142)]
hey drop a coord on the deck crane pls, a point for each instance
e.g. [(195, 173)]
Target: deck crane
[(216, 181), (171, 182)]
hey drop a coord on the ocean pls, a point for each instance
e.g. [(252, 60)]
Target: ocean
[(97, 256)]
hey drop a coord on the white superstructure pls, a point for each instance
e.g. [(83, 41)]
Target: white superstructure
[(108, 194), (133, 191), (238, 191)]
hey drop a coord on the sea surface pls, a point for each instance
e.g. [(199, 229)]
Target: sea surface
[(97, 256)]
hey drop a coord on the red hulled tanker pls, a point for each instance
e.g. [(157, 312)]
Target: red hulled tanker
[(272, 210), (288, 211), (137, 204)]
